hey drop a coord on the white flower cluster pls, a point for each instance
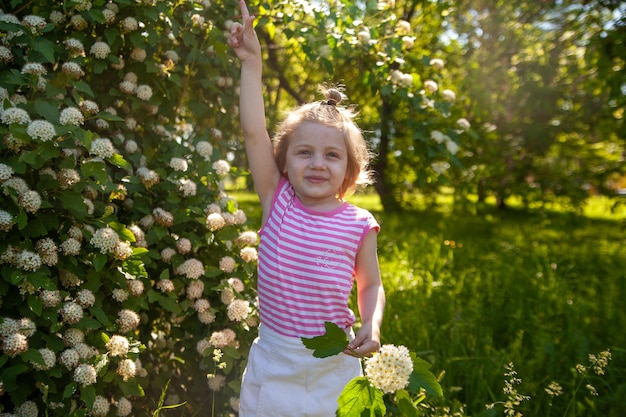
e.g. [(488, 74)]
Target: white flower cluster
[(6, 55), (179, 164), (138, 54), (204, 149), (85, 298), (390, 368), (126, 369), (70, 247), (68, 177), (221, 167), (249, 254), (100, 407), (34, 23), (71, 116), (15, 115), (27, 409), (74, 47), (437, 63), (79, 22), (50, 298), (221, 339), (440, 138), (148, 177), (191, 268), (187, 187), (49, 360), (14, 335), (47, 250), (163, 217), (195, 289), (34, 68), (102, 148), (144, 92), (6, 221), (72, 69), (402, 79), (105, 239), (30, 201), (6, 172), (431, 86), (127, 320), (124, 407), (183, 245), (215, 221), (227, 264), (129, 24), (71, 312), (238, 310), (100, 50), (41, 130), (89, 107), (248, 238)]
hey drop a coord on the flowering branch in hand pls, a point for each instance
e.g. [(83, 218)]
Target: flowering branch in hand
[(392, 376)]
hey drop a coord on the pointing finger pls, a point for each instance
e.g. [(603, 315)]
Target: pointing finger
[(245, 14)]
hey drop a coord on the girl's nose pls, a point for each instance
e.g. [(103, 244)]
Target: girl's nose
[(316, 161)]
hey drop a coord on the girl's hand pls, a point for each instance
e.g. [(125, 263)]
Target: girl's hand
[(243, 38), (363, 344)]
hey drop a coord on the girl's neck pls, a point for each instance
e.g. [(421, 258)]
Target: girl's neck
[(321, 205)]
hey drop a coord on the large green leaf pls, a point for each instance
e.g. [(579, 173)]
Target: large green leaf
[(359, 398), (422, 377), (333, 342)]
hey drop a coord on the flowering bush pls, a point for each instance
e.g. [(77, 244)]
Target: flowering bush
[(124, 264)]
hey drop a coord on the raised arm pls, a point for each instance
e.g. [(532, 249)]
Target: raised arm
[(244, 41)]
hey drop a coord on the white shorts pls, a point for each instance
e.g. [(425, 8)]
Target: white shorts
[(284, 379)]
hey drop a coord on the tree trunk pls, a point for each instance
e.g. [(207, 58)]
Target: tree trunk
[(382, 186)]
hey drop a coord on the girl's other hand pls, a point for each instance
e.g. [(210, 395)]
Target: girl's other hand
[(243, 38)]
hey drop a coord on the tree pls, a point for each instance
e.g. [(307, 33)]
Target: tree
[(538, 100)]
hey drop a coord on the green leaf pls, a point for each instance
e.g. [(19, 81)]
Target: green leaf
[(46, 109), (405, 404), (333, 342), (95, 169), (73, 202), (359, 398), (70, 389), (422, 377), (45, 47), (35, 305), (100, 315), (122, 231), (33, 355), (131, 388), (99, 261), (119, 161), (88, 395)]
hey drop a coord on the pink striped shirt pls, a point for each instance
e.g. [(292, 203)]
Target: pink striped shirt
[(307, 264)]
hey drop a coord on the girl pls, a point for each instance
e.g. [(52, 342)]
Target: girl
[(313, 245)]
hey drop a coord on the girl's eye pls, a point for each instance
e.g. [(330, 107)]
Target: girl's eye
[(332, 155)]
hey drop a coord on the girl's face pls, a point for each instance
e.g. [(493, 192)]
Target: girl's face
[(316, 164)]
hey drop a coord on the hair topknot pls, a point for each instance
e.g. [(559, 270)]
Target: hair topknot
[(333, 96)]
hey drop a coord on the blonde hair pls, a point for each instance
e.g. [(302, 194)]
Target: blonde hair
[(329, 113)]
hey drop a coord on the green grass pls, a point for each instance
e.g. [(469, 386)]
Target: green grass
[(472, 293)]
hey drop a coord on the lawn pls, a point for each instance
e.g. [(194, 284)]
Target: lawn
[(537, 292)]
